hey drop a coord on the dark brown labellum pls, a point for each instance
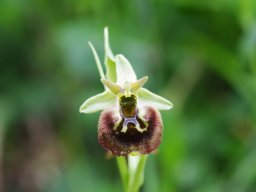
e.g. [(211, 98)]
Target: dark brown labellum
[(111, 136)]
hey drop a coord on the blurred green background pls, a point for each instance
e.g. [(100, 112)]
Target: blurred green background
[(199, 54)]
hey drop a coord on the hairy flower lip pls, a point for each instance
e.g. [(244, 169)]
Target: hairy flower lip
[(122, 144)]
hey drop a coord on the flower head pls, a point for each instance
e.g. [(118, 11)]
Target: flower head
[(130, 121)]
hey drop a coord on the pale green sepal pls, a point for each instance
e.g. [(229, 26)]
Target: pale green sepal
[(109, 58), (97, 60), (98, 102), (146, 97), (111, 69), (124, 70)]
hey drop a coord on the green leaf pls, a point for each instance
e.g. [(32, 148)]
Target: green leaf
[(146, 97), (139, 175), (97, 60), (109, 58), (98, 102), (124, 70)]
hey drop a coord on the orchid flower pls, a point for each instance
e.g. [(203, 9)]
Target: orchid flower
[(130, 121)]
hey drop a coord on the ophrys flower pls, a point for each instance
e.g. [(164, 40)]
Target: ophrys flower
[(130, 121)]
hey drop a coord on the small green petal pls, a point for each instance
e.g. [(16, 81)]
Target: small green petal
[(98, 102), (124, 70), (139, 83), (146, 97), (113, 87), (109, 58)]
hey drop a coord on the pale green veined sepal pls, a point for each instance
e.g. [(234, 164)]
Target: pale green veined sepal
[(146, 97), (98, 102)]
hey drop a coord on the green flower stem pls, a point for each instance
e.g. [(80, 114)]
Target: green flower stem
[(132, 174), (122, 166)]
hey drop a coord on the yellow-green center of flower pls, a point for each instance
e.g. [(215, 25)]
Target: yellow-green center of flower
[(128, 106), (130, 119)]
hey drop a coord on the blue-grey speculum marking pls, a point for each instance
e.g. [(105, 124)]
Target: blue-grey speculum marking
[(130, 118)]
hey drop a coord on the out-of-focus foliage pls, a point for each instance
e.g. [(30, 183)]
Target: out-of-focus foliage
[(199, 54)]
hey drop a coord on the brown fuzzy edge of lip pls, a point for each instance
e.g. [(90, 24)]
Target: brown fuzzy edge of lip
[(121, 145)]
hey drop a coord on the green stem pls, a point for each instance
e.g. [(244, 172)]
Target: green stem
[(122, 166), (133, 174)]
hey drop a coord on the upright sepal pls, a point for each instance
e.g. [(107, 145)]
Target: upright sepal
[(109, 58), (124, 70)]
